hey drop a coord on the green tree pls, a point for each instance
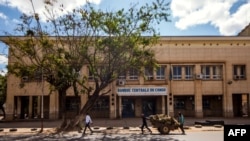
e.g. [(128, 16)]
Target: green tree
[(108, 42), (3, 89)]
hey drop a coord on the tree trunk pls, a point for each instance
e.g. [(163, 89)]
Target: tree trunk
[(76, 122)]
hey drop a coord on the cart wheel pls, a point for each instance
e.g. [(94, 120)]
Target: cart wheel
[(164, 130)]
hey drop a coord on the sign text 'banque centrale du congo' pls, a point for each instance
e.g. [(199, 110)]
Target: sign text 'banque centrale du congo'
[(141, 91)]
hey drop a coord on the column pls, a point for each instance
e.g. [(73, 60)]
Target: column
[(39, 106), (30, 107), (9, 107), (227, 96), (198, 93), (163, 104), (120, 106), (18, 108), (112, 99), (248, 101), (198, 99), (170, 105), (54, 106), (112, 106), (229, 106)]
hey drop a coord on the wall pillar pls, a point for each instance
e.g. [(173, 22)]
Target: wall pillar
[(170, 104), (163, 105), (113, 106), (198, 93), (18, 108), (30, 107), (248, 101), (138, 107), (228, 104), (198, 99), (39, 106), (9, 107), (54, 106), (120, 106), (113, 101)]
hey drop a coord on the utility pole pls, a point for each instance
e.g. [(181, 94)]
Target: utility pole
[(42, 102)]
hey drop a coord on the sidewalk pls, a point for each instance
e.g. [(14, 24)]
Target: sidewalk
[(125, 125)]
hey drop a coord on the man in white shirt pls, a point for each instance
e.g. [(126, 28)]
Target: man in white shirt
[(88, 121)]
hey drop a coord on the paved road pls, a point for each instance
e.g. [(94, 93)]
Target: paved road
[(192, 136), (118, 132), (207, 133), (125, 122)]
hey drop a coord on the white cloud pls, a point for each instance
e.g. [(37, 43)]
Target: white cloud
[(3, 63), (3, 59), (2, 16), (25, 6), (190, 13), (3, 72)]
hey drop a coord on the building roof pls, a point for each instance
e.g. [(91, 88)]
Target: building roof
[(245, 31)]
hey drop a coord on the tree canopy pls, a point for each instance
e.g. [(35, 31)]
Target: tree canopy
[(107, 42), (3, 89)]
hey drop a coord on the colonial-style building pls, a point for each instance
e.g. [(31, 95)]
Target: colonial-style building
[(201, 76)]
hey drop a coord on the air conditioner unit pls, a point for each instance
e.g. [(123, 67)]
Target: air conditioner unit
[(121, 82), (198, 76)]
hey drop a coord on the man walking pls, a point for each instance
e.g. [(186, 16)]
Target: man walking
[(88, 121), (181, 121), (144, 123)]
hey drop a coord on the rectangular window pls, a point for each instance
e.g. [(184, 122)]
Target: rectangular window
[(189, 72), (205, 70), (176, 72), (101, 104), (149, 73), (72, 103), (122, 75), (217, 72), (31, 77), (133, 74), (179, 103), (160, 73), (104, 73), (205, 103), (239, 72), (212, 72)]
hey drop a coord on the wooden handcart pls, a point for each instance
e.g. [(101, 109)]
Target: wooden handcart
[(164, 123)]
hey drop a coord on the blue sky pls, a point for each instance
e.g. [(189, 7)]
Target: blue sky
[(188, 17)]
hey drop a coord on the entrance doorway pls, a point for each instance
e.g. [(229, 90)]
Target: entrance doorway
[(240, 105), (148, 107), (128, 108), (24, 107)]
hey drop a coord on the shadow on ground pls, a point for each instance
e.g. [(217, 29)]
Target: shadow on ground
[(88, 137)]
